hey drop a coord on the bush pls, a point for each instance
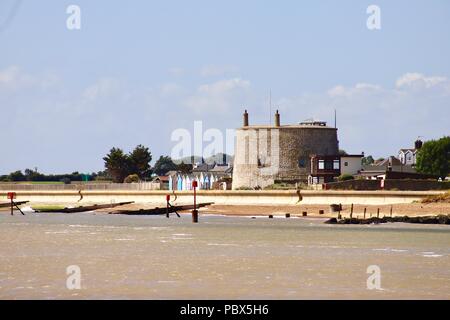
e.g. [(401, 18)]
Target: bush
[(244, 188), (346, 177), (131, 178), (281, 186)]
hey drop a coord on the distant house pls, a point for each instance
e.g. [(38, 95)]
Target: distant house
[(351, 163), (324, 169), (392, 168), (409, 156), (164, 182)]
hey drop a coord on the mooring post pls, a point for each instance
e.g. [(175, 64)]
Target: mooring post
[(378, 213), (12, 196), (288, 215), (270, 216), (167, 205), (195, 211), (391, 211), (351, 211), (365, 210)]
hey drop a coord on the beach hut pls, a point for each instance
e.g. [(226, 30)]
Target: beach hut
[(170, 183), (206, 183), (188, 182), (201, 180), (179, 182), (212, 180)]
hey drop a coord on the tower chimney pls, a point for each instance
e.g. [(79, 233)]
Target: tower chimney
[(277, 119), (245, 119), (418, 144)]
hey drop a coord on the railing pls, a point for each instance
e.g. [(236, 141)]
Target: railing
[(80, 186)]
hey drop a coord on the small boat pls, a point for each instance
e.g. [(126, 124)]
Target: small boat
[(83, 208), (161, 211), (8, 204)]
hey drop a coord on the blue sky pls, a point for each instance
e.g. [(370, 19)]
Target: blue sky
[(138, 70)]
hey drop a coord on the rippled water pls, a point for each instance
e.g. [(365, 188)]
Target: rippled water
[(221, 257)]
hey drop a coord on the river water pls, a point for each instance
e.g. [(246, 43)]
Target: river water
[(147, 257)]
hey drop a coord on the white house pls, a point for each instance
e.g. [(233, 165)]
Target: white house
[(409, 156), (351, 163)]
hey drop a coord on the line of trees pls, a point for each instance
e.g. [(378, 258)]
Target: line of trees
[(434, 157), (35, 176), (135, 166)]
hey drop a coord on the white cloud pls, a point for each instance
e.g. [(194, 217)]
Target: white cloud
[(13, 78), (103, 88), (418, 80), (218, 70), (378, 119), (359, 88), (219, 96)]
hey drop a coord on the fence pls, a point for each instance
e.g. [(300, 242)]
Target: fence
[(80, 186)]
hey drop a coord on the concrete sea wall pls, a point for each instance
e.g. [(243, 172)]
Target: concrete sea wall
[(262, 197)]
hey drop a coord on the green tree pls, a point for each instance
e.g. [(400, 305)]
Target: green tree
[(342, 152), (117, 164), (184, 168), (367, 160), (163, 165), (139, 161), (434, 157), (16, 176)]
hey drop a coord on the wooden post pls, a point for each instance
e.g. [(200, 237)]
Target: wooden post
[(351, 211), (195, 211), (378, 213), (167, 205), (304, 213), (391, 211), (365, 210), (270, 216), (288, 215), (12, 196)]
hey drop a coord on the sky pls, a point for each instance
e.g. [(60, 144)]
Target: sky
[(136, 71)]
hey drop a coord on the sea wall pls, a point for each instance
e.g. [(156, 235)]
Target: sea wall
[(262, 197), (389, 184)]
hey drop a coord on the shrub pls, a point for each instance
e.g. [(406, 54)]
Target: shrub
[(346, 177), (131, 178)]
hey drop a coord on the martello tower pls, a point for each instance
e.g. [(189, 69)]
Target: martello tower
[(266, 154)]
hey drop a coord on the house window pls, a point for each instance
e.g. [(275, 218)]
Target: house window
[(346, 164), (321, 164), (329, 165), (336, 164)]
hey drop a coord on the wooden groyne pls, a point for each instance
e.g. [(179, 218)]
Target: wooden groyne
[(82, 208), (440, 219)]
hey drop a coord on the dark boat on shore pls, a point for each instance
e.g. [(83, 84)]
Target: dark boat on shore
[(83, 208), (8, 204), (161, 211)]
